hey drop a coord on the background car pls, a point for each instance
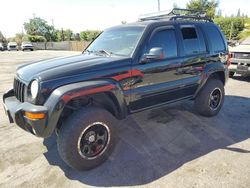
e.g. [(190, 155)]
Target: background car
[(12, 46), (27, 46), (240, 61), (3, 46)]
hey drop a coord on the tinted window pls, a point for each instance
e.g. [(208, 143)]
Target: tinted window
[(193, 42), (189, 33), (215, 38), (166, 40), (202, 44)]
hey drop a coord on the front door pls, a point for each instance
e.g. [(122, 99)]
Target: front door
[(159, 80)]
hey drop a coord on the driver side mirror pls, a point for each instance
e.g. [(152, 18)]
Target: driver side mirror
[(154, 54)]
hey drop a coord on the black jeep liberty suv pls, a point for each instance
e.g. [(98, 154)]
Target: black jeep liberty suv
[(160, 59)]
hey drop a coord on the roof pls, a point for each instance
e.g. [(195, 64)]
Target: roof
[(166, 22)]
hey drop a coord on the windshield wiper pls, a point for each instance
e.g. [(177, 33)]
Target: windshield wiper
[(99, 51), (89, 51)]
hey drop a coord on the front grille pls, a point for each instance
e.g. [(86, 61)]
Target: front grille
[(19, 90), (239, 55)]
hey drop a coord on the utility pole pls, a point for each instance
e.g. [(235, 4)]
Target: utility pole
[(159, 5)]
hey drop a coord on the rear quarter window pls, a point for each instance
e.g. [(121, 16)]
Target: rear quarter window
[(215, 38)]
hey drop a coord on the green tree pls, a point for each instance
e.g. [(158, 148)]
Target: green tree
[(204, 5), (68, 34), (238, 13), (246, 32), (39, 27), (230, 26), (76, 36), (60, 35), (19, 38), (2, 38), (219, 13), (64, 35), (36, 38), (89, 35)]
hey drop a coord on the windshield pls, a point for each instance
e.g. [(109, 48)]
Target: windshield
[(117, 41), (246, 41)]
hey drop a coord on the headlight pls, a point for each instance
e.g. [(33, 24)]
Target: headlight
[(34, 86)]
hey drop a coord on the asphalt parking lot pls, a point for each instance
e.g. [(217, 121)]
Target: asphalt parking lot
[(170, 146)]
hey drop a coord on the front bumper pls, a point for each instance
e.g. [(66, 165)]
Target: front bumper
[(240, 66), (15, 112), (52, 108)]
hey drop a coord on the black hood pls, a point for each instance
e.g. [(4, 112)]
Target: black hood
[(64, 67)]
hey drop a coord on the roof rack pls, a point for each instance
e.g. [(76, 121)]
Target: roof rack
[(175, 14)]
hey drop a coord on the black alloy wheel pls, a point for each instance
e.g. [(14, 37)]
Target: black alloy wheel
[(93, 140)]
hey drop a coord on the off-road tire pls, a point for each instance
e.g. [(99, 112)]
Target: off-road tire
[(231, 74), (71, 130), (203, 99)]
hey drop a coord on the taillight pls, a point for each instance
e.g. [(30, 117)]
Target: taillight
[(228, 59)]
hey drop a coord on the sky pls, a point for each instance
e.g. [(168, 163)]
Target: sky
[(79, 15)]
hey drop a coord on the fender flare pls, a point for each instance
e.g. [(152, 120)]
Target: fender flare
[(60, 96), (208, 71)]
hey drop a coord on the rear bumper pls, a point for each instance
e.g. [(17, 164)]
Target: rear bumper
[(15, 112)]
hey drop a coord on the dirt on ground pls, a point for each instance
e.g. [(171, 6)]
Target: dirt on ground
[(170, 146)]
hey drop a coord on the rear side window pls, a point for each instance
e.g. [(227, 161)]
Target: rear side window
[(165, 39), (193, 41), (189, 33), (215, 38)]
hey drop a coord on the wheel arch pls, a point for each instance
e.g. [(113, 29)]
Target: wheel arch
[(220, 75), (66, 99), (214, 70)]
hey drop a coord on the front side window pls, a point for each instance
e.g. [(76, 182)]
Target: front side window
[(117, 41), (166, 40)]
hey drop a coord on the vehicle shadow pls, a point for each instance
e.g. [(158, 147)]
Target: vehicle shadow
[(155, 143), (242, 78)]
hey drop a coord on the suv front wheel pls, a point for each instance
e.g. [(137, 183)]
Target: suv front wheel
[(87, 138), (210, 99)]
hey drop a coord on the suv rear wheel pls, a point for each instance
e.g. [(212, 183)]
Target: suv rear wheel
[(231, 74), (210, 99), (87, 138)]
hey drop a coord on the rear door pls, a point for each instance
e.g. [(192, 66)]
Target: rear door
[(194, 54)]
